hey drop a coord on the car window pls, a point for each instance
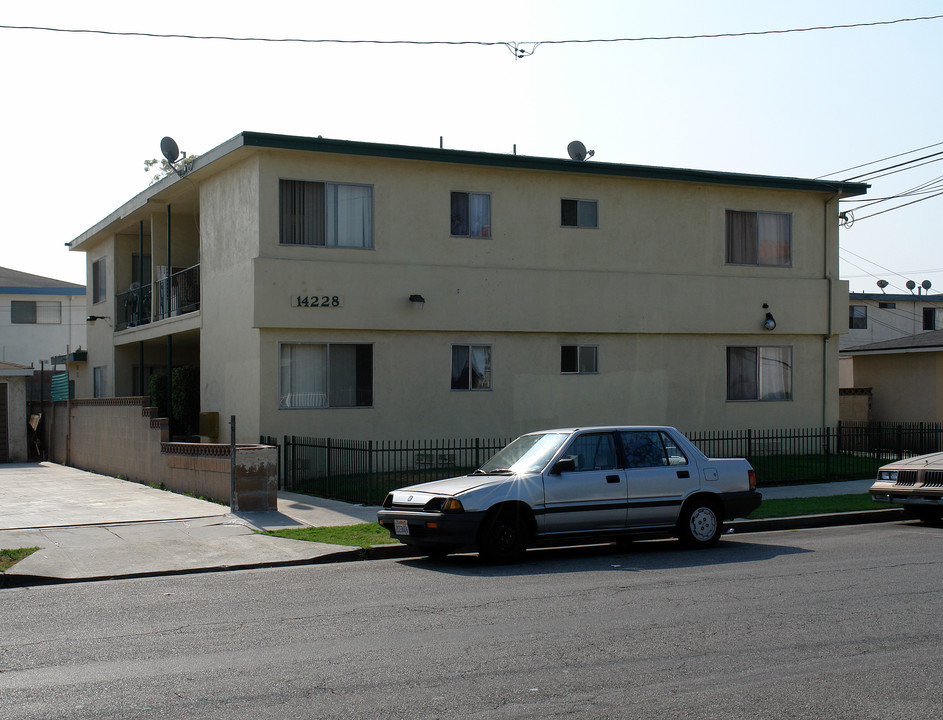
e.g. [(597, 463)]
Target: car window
[(643, 448), (675, 456), (593, 451)]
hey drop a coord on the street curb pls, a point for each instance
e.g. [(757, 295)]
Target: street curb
[(802, 522), (402, 552)]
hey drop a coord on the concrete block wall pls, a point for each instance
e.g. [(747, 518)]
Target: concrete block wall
[(121, 437)]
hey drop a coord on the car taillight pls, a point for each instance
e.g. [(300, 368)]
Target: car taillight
[(752, 475)]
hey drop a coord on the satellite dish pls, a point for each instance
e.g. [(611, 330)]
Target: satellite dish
[(926, 284), (577, 151), (911, 285), (882, 284), (169, 149)]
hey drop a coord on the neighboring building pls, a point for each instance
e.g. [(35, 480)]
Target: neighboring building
[(876, 317), (905, 377), (13, 433), (39, 317), (359, 290)]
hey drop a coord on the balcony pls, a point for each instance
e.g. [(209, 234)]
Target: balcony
[(139, 306)]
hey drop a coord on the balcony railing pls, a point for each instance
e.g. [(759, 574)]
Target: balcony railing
[(134, 307)]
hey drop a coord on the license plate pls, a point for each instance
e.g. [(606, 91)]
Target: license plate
[(401, 527)]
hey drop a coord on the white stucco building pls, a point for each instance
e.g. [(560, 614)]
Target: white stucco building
[(360, 290)]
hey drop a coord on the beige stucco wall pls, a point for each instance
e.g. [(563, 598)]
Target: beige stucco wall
[(905, 386), (229, 352), (35, 343)]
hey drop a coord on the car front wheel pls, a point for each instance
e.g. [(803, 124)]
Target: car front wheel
[(700, 524), (503, 537)]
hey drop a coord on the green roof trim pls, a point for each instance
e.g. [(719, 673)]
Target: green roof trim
[(467, 157)]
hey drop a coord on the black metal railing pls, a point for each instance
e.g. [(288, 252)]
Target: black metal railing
[(133, 308), (364, 471), (183, 295)]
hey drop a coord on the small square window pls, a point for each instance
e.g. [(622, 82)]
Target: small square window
[(578, 359), (470, 215), (858, 317), (579, 213), (471, 367)]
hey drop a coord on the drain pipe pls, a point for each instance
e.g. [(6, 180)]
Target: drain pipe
[(831, 329)]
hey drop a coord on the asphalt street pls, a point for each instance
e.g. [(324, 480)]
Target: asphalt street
[(836, 623)]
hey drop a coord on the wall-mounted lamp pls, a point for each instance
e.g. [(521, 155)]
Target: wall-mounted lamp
[(417, 299), (93, 318), (770, 322)]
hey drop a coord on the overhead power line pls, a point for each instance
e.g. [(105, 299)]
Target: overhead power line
[(520, 49)]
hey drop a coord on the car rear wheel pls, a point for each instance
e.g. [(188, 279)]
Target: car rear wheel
[(700, 524), (503, 537)]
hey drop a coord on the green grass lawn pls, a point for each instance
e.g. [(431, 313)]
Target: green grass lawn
[(362, 536), (789, 507), (9, 558)]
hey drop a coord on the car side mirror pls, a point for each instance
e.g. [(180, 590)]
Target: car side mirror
[(564, 465)]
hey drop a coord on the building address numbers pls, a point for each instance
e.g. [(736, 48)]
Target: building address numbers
[(317, 301)]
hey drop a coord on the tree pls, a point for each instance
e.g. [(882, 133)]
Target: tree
[(162, 168)]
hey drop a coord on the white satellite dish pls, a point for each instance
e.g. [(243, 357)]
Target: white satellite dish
[(577, 151), (169, 149)]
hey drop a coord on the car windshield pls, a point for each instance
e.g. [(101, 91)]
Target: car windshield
[(528, 453)]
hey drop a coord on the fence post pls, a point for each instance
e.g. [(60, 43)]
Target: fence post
[(329, 467), (900, 441), (828, 453), (290, 470), (749, 442)]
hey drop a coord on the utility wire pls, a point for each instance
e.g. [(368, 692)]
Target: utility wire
[(520, 49), (875, 162)]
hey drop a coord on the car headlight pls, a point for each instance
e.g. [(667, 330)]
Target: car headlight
[(444, 505), (887, 475)]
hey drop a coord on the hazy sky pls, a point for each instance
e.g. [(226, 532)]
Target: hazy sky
[(81, 112)]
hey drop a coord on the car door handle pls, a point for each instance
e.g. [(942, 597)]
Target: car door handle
[(683, 474), (612, 478)]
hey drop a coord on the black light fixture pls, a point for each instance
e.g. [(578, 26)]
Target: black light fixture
[(417, 299), (770, 322), (93, 318)]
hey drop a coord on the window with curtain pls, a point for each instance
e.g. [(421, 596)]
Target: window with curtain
[(758, 238), (325, 214), (580, 359), (99, 287), (36, 312), (321, 375), (579, 213), (759, 373), (470, 214), (471, 367), (857, 317)]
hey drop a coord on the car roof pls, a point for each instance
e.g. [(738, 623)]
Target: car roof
[(601, 428)]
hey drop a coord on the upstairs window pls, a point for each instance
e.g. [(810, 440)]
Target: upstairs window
[(99, 287), (471, 215), (471, 367), (579, 213), (857, 317), (325, 214), (759, 373), (758, 238), (35, 312), (579, 359)]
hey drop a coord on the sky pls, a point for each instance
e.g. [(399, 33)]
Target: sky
[(81, 112)]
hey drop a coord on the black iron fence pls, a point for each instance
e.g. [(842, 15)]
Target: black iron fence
[(364, 471)]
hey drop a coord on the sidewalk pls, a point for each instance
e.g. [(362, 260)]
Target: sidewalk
[(91, 527)]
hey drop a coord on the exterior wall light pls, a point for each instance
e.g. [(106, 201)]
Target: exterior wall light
[(417, 299), (93, 318), (770, 323)]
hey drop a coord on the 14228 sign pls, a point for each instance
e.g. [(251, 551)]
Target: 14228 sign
[(316, 301)]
